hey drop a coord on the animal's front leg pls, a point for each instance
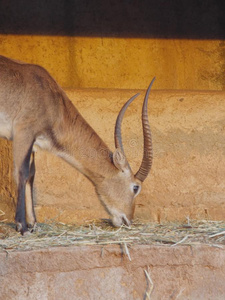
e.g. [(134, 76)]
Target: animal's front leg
[(30, 213), (22, 148), (21, 224)]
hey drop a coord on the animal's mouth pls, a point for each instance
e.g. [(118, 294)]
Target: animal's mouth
[(120, 219), (125, 220)]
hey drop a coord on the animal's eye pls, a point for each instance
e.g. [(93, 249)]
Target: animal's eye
[(135, 189)]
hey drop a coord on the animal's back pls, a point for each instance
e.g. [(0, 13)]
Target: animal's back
[(28, 95)]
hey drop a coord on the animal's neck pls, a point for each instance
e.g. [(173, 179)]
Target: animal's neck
[(82, 147)]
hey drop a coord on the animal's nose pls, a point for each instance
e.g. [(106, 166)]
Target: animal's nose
[(125, 220), (120, 219)]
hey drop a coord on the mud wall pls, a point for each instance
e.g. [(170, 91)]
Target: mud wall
[(122, 45), (97, 44), (104, 272), (83, 62), (187, 177)]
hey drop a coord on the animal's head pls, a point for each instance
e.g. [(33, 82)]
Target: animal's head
[(118, 191)]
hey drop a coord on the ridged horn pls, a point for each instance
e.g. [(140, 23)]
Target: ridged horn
[(117, 133), (148, 151)]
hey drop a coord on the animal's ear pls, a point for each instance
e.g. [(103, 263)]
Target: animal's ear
[(120, 160)]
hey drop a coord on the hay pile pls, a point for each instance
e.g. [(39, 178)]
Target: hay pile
[(101, 233)]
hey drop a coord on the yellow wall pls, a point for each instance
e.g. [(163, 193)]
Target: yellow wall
[(187, 176), (124, 63), (121, 63)]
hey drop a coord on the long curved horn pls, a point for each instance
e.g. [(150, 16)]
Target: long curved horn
[(148, 152), (117, 134)]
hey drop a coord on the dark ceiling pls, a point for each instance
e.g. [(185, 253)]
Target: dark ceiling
[(187, 19)]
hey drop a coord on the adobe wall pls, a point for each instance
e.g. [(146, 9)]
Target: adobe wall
[(124, 63), (105, 272), (187, 177), (89, 44)]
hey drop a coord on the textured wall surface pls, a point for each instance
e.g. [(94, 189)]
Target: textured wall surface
[(105, 272), (126, 63), (187, 177), (119, 44)]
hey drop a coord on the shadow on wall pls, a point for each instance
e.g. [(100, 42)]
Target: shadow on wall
[(188, 19)]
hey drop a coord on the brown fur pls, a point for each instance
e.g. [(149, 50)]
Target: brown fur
[(35, 111)]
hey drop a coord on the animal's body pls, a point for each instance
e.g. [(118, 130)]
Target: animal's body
[(36, 113)]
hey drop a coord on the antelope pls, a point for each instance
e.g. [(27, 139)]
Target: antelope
[(36, 112)]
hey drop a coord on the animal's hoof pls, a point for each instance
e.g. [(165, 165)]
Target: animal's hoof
[(32, 227), (21, 228), (18, 227)]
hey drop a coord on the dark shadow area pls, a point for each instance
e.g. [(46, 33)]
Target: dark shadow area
[(191, 19)]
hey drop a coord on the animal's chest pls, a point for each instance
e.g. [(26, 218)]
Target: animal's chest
[(5, 126)]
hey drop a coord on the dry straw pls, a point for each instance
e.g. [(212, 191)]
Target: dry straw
[(101, 233)]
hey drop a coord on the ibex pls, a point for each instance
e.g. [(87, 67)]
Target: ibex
[(35, 111)]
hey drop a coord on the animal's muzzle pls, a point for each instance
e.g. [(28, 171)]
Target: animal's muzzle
[(120, 219)]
